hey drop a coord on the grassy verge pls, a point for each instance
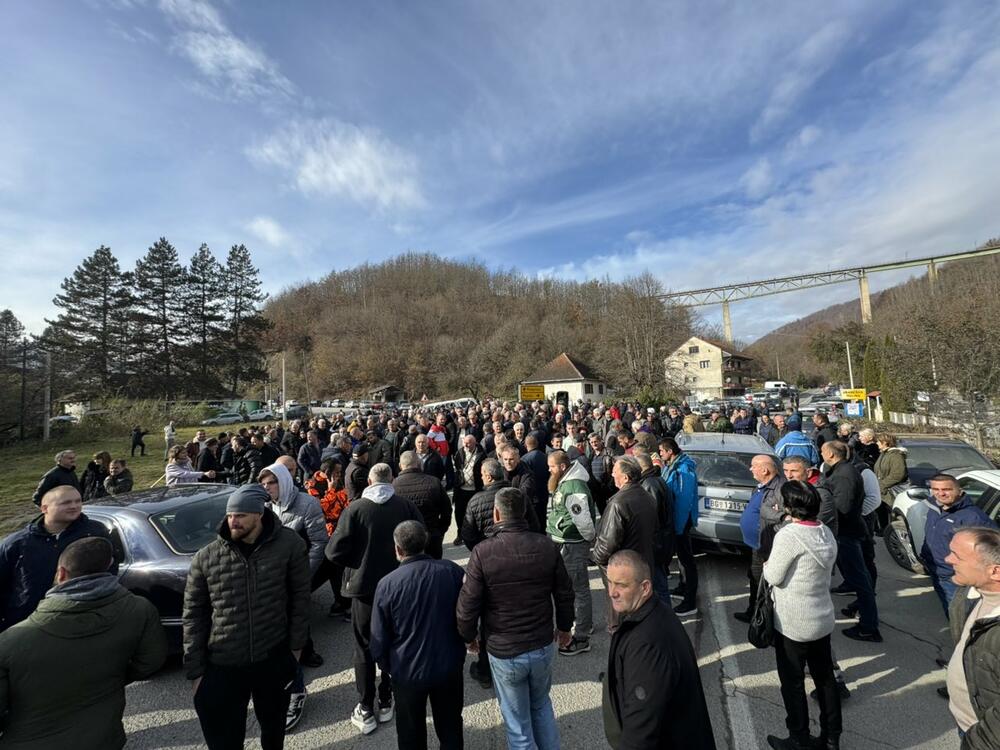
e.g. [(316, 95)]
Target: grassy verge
[(27, 462)]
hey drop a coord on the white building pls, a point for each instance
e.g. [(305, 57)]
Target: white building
[(708, 369), (564, 379)]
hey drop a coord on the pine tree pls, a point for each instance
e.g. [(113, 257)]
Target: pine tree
[(11, 332), (87, 301), (244, 321), (204, 298), (159, 286)]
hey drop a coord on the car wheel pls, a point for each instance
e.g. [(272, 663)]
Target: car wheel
[(897, 541)]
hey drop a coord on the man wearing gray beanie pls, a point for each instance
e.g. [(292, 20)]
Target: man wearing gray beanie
[(246, 609)]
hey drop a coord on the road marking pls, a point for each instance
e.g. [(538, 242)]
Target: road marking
[(741, 727)]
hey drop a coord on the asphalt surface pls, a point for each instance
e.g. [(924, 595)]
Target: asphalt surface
[(893, 705)]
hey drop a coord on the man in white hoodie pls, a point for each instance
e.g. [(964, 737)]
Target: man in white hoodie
[(363, 544)]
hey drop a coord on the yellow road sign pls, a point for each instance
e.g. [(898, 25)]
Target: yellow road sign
[(531, 392), (853, 394)]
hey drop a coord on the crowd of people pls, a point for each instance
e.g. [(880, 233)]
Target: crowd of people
[(539, 493)]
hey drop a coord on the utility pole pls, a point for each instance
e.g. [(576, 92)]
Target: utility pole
[(24, 386), (850, 368), (46, 427), (777, 367)]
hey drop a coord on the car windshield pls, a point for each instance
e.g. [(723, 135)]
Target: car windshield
[(725, 469), (924, 461), (190, 527)]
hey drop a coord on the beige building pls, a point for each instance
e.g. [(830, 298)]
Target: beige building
[(708, 369), (565, 379)]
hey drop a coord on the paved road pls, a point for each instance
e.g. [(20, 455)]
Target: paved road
[(894, 703)]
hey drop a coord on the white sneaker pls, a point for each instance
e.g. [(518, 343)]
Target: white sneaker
[(385, 712), (364, 719), (296, 703)]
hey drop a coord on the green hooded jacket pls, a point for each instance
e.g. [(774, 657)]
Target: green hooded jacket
[(63, 671), (572, 515)]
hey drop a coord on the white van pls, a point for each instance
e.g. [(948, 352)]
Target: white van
[(775, 385)]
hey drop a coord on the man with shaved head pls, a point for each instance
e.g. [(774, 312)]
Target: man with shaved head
[(28, 558)]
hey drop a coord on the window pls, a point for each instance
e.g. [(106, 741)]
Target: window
[(692, 350), (982, 494), (686, 364), (588, 387), (600, 388), (705, 364)]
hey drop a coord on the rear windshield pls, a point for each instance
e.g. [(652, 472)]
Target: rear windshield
[(724, 469), (190, 527), (924, 461)]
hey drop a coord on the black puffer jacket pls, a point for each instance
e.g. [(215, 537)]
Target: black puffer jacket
[(428, 495), (478, 523), (523, 479), (238, 610), (846, 489), (629, 522), (55, 477), (247, 465), (511, 582)]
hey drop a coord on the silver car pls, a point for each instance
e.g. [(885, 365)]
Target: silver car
[(722, 463)]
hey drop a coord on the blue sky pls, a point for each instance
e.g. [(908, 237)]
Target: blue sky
[(706, 142)]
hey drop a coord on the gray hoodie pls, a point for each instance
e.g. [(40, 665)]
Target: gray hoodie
[(799, 569), (300, 512)]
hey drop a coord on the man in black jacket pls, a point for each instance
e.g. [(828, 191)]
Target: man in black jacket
[(29, 557), (845, 485), (534, 460), (63, 473), (362, 543), (663, 548), (268, 453), (247, 461), (519, 475), (246, 620), (415, 640), (664, 703), (430, 498), (430, 460), (825, 432), (512, 581), (478, 523), (468, 477), (356, 476), (629, 522)]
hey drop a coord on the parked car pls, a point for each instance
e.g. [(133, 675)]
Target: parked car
[(226, 417), (296, 412), (64, 419), (155, 533), (925, 457), (722, 463), (260, 415)]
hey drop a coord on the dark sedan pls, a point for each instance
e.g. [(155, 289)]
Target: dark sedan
[(155, 533)]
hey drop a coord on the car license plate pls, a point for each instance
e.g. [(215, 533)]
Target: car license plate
[(714, 503)]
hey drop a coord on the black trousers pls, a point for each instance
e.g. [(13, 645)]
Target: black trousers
[(792, 657), (754, 572), (461, 499), (685, 557), (364, 664), (333, 573), (435, 544), (224, 695), (141, 447), (447, 699)]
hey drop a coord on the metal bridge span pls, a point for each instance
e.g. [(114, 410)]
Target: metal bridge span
[(725, 294)]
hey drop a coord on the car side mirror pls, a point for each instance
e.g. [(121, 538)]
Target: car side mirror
[(918, 493)]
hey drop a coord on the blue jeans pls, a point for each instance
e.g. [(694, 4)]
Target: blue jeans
[(851, 561), (522, 684), (944, 588)]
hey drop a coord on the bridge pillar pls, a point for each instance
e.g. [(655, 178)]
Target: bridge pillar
[(727, 322), (866, 300), (932, 276)]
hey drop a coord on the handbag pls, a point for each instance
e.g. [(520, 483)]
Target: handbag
[(761, 630)]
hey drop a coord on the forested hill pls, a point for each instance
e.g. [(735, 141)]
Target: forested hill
[(919, 339), (444, 327)]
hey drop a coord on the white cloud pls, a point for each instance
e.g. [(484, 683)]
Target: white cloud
[(758, 180), (236, 67), (267, 229), (333, 158), (807, 64)]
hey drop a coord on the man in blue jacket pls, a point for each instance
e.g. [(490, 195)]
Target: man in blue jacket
[(682, 481), (954, 509), (796, 443), (415, 640)]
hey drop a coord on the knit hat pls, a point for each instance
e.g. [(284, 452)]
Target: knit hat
[(249, 498), (794, 422), (361, 449)]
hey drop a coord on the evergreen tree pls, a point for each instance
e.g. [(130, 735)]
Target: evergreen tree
[(126, 329), (159, 287), (204, 298), (88, 301), (244, 321), (11, 333)]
